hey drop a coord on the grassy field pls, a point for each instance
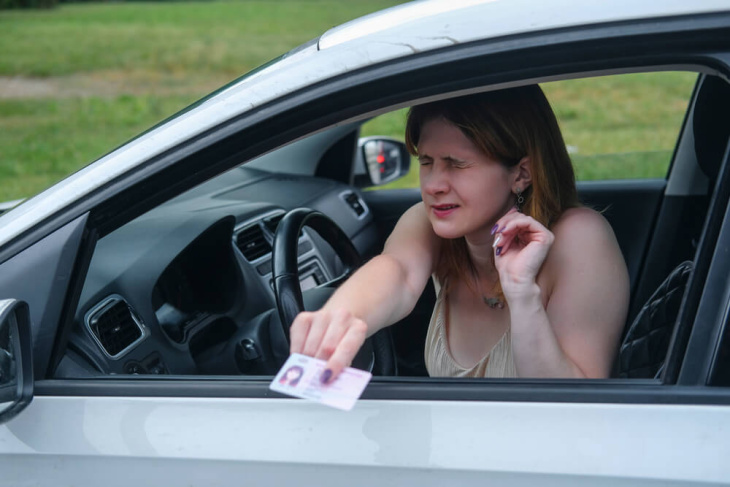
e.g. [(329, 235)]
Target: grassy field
[(211, 38), (81, 79), (108, 71)]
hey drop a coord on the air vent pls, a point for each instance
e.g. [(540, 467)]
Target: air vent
[(252, 243), (114, 326), (354, 202), (273, 222)]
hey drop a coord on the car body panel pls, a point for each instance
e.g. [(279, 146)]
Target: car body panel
[(104, 429), (432, 24), (541, 442)]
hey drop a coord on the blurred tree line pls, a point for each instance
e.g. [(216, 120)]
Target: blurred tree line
[(6, 4), (9, 4)]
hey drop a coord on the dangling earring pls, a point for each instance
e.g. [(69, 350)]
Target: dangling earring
[(520, 199)]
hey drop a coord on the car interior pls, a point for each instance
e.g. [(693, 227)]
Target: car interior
[(207, 282)]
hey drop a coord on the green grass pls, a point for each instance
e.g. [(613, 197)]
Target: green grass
[(222, 37), (122, 67), (628, 113), (42, 141), (140, 62)]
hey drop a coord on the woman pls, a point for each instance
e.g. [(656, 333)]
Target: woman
[(530, 284)]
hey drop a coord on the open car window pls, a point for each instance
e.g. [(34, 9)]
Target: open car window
[(187, 288)]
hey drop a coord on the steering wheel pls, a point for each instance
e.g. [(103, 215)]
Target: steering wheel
[(377, 354)]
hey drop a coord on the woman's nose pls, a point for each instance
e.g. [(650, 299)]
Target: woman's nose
[(435, 180)]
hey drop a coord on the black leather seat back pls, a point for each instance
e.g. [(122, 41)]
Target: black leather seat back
[(711, 125), (646, 343)]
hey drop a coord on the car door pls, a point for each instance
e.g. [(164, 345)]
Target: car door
[(224, 430)]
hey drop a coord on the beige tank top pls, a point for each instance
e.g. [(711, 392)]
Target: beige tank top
[(439, 362)]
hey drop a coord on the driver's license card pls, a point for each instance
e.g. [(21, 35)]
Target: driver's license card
[(301, 377)]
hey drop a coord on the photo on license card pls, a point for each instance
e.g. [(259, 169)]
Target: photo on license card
[(300, 377)]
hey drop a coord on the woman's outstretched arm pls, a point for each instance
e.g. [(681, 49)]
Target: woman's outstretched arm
[(379, 294)]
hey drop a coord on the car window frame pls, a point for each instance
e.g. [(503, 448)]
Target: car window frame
[(710, 289), (111, 207)]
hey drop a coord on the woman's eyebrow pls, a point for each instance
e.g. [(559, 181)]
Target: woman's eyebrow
[(447, 158), (451, 158)]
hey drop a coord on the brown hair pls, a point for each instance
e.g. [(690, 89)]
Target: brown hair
[(506, 125)]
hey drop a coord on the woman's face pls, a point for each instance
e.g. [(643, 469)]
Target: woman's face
[(292, 374), (465, 191)]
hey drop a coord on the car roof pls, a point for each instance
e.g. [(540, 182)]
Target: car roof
[(398, 32), (430, 24)]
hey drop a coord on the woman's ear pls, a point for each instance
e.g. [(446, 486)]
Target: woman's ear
[(522, 175)]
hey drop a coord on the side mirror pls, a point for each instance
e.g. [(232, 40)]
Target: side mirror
[(16, 364), (385, 159)]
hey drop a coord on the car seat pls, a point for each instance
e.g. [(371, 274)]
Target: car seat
[(646, 343), (645, 346)]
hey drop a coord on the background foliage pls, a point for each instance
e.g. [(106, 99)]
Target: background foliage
[(82, 78)]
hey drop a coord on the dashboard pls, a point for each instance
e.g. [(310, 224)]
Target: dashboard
[(187, 287)]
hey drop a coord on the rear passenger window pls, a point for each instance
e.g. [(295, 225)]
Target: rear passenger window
[(615, 127), (623, 126)]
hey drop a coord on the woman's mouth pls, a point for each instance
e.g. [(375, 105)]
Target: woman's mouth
[(443, 210)]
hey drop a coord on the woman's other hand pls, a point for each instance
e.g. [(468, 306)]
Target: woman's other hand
[(570, 324), (334, 336), (521, 245)]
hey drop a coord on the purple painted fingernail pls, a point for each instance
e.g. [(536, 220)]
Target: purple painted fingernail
[(326, 375), (499, 250), (494, 229)]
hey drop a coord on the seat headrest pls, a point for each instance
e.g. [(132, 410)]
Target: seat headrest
[(711, 124)]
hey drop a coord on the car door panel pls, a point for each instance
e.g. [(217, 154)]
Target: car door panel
[(229, 441), (387, 206)]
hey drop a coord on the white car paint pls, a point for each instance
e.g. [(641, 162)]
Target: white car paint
[(100, 440), (436, 23), (110, 441)]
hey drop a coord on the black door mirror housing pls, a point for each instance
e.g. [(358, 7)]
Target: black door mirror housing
[(16, 361), (385, 159)]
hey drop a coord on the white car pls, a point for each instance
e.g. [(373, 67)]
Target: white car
[(139, 325)]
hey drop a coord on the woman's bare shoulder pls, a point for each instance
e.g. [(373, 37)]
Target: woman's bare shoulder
[(581, 222), (413, 241), (415, 219), (583, 239)]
